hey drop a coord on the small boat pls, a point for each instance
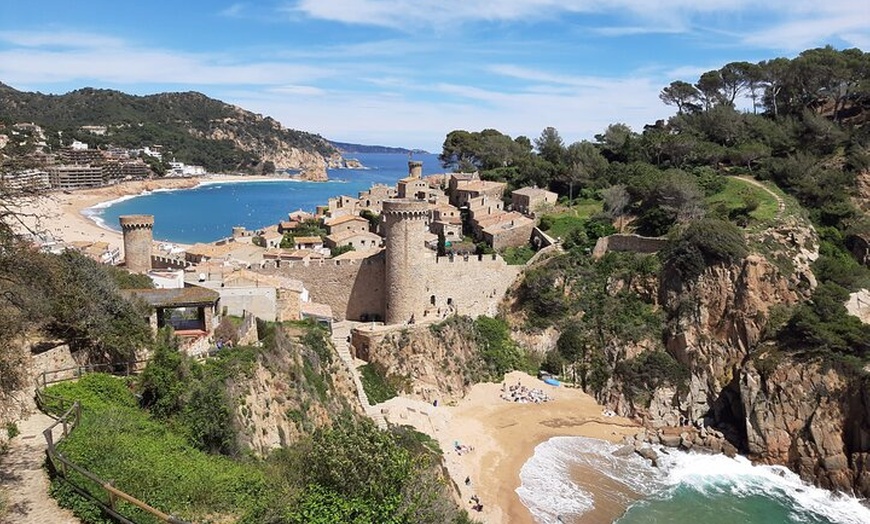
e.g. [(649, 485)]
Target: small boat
[(551, 381)]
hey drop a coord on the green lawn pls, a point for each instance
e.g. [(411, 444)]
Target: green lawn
[(566, 219), (736, 194)]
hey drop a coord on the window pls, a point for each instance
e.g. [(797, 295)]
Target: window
[(432, 300)]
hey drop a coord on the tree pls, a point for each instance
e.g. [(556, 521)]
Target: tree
[(585, 164), (710, 86), (616, 200), (681, 94), (550, 146)]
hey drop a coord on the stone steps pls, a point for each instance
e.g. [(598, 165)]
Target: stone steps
[(340, 332)]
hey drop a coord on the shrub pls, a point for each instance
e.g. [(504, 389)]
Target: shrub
[(704, 243)]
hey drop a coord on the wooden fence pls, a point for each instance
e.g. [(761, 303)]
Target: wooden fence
[(68, 418)]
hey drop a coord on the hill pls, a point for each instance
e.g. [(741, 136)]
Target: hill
[(346, 148), (190, 126)]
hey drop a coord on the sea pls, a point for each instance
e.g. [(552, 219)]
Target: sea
[(575, 480), (568, 480), (209, 211)]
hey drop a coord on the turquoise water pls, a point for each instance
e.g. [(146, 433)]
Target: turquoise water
[(209, 212), (557, 487)]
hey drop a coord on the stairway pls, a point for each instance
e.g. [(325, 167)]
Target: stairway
[(340, 332)]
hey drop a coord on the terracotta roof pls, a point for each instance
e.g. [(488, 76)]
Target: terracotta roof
[(342, 219), (175, 297), (308, 240), (532, 191)]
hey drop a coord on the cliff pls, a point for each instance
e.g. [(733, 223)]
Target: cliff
[(776, 408), (297, 385)]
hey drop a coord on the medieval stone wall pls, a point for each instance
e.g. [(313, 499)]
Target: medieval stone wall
[(352, 288), (472, 285), (632, 243)]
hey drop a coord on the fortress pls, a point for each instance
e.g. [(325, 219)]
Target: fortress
[(406, 282)]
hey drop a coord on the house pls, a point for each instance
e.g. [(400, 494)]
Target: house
[(530, 200), (309, 243), (359, 240), (346, 223)]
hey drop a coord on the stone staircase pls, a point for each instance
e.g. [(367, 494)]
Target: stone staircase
[(340, 332)]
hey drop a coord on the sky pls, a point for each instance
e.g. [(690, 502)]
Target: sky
[(407, 72)]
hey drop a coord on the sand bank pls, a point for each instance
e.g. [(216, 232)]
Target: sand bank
[(503, 436), (60, 214)]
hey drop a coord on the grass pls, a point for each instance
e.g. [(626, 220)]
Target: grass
[(735, 195), (376, 386), (517, 256), (563, 220), (118, 441)]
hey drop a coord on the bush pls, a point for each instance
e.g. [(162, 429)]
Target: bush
[(649, 371), (498, 350), (376, 384), (704, 243)]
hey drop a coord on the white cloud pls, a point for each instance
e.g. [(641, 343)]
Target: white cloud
[(781, 24), (45, 57)]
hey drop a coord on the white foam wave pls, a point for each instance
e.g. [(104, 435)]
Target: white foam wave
[(548, 490), (738, 476), (546, 486)]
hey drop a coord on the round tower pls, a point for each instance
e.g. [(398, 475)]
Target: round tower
[(137, 241), (405, 231), (415, 168)]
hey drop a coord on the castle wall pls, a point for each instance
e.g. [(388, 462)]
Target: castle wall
[(472, 285), (633, 243), (354, 289), (261, 301)]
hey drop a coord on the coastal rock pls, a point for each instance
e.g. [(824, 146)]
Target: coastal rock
[(624, 451), (649, 454)]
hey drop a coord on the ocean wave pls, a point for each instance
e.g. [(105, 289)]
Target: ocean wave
[(549, 492)]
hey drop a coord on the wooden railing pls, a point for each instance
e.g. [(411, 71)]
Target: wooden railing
[(69, 418)]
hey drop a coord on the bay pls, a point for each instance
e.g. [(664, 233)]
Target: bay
[(209, 212)]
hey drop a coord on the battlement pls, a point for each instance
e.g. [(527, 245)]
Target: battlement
[(320, 263), (136, 222), (406, 208)]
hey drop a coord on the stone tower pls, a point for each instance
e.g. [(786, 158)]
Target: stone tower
[(415, 169), (137, 241), (405, 228)]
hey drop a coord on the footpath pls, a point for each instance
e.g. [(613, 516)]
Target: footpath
[(340, 333), (25, 482)]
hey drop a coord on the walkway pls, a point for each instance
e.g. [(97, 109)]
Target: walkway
[(340, 333), (24, 480), (780, 204)]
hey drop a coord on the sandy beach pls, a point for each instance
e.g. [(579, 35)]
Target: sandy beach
[(60, 213), (503, 436)]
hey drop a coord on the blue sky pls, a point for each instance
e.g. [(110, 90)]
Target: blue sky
[(407, 72)]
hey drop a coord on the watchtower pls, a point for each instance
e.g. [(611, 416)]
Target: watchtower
[(405, 230), (138, 234), (415, 168)]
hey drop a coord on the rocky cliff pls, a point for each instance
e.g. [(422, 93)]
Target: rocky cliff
[(811, 417), (297, 385)]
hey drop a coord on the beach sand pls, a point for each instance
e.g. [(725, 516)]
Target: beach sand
[(503, 436), (59, 213)]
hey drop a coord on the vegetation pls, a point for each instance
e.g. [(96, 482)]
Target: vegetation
[(182, 123), (376, 384), (116, 440)]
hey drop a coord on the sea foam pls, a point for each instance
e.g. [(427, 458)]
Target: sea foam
[(550, 493)]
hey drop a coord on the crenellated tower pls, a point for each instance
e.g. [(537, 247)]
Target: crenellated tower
[(405, 224), (138, 235)]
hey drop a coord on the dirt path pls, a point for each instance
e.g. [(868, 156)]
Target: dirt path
[(780, 205), (24, 480)]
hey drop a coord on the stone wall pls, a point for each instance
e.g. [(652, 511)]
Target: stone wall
[(472, 285), (518, 235), (261, 301), (633, 243), (352, 288)]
